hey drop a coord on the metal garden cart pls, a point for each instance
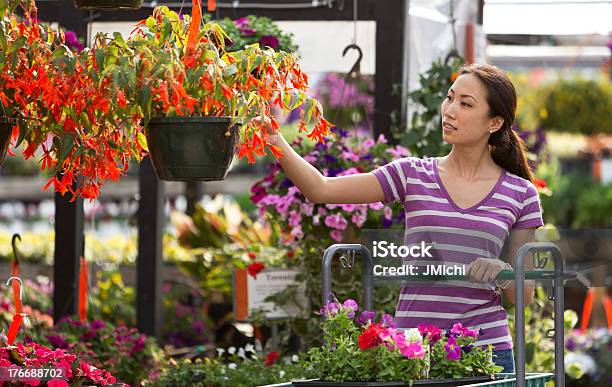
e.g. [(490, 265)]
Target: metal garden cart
[(555, 280)]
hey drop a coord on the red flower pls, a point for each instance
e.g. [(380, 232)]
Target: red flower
[(255, 268), (539, 183), (272, 357), (370, 337), (251, 255)]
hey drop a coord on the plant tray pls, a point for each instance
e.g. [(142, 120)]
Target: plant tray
[(501, 380), (426, 382)]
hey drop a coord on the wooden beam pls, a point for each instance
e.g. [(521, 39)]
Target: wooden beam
[(149, 260)]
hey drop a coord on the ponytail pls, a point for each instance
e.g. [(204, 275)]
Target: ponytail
[(509, 152), (507, 148)]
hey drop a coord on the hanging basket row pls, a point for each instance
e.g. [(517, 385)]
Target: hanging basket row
[(108, 5)]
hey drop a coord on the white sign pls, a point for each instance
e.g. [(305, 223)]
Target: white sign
[(251, 292)]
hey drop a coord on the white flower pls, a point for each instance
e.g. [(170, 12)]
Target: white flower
[(220, 351), (232, 366), (241, 353), (249, 348), (295, 358), (581, 362), (231, 350), (413, 335), (281, 373)]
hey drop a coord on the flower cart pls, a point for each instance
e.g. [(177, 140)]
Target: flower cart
[(555, 278)]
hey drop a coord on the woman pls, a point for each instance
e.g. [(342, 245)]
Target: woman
[(475, 199)]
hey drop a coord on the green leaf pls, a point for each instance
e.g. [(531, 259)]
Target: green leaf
[(66, 147), (230, 70), (142, 141), (24, 129), (16, 45)]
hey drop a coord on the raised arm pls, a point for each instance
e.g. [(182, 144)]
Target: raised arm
[(352, 189)]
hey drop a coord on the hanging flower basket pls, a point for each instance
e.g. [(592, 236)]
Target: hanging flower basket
[(6, 128), (108, 5), (191, 148)]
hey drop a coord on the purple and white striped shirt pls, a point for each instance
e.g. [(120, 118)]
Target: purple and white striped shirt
[(458, 236)]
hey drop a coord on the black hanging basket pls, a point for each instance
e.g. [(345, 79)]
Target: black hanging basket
[(6, 129), (107, 5), (191, 148)]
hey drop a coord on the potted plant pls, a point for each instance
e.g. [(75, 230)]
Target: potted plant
[(255, 29), (24, 51), (200, 103), (107, 5), (66, 105), (358, 350)]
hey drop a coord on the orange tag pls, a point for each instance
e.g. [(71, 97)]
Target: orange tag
[(83, 290), (212, 5), (14, 328)]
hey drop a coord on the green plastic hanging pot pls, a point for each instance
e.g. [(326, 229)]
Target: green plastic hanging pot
[(6, 129), (108, 5), (191, 148)]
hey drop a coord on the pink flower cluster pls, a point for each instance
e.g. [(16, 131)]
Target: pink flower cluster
[(35, 355), (385, 332), (277, 198)]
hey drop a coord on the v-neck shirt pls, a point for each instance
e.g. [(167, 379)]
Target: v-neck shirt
[(449, 197), (459, 236)]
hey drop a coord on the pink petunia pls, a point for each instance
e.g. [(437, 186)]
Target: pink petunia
[(337, 235), (294, 218), (376, 206), (336, 221), (350, 156)]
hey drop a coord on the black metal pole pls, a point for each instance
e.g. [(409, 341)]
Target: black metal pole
[(69, 247), (149, 261), (389, 67)]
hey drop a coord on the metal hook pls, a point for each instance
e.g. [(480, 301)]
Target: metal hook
[(344, 259), (14, 244), (8, 283), (539, 261), (356, 69)]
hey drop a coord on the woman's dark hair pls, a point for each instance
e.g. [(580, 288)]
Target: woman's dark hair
[(507, 148)]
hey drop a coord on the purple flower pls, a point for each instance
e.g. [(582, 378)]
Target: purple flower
[(467, 348), (387, 321), (269, 40), (97, 324), (452, 349), (330, 309), (242, 21), (247, 31), (350, 306), (57, 341), (72, 41), (330, 158), (570, 344), (367, 316)]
